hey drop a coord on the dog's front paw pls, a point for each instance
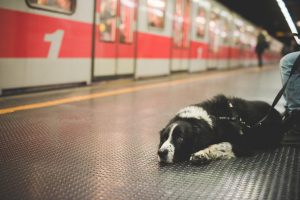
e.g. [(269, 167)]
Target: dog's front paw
[(200, 157)]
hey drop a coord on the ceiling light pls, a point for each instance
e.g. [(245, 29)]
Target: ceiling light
[(288, 18)]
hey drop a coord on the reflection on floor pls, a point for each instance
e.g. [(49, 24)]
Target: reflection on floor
[(105, 147)]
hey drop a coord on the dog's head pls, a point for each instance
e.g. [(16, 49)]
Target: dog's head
[(180, 138)]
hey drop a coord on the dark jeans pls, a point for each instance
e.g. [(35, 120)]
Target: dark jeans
[(260, 59)]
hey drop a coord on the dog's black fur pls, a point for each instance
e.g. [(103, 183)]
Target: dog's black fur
[(192, 135)]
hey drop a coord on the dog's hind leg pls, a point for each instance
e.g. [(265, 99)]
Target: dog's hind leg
[(222, 150)]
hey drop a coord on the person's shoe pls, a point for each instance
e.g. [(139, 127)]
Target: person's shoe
[(291, 123), (288, 119)]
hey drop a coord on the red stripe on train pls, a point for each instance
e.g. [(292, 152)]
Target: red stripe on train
[(23, 35), (153, 46)]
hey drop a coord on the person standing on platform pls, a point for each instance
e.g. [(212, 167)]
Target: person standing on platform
[(292, 98), (261, 46)]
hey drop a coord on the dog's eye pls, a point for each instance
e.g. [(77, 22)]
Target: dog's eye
[(179, 140)]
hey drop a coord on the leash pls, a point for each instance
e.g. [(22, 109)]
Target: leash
[(236, 117), (295, 67)]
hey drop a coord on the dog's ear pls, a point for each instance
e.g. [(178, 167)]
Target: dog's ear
[(197, 138), (162, 130), (202, 136)]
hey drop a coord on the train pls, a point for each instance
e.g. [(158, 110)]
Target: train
[(48, 43)]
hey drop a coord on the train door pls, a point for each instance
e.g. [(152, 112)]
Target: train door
[(214, 40), (236, 50), (115, 38), (180, 52), (252, 44), (200, 13), (247, 44), (225, 35)]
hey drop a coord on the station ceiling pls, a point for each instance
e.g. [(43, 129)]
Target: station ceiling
[(267, 14)]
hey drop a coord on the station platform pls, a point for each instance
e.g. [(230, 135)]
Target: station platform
[(100, 142)]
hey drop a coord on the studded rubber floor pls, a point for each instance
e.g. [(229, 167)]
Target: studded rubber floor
[(105, 147)]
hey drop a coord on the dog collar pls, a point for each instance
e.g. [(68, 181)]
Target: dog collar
[(235, 117)]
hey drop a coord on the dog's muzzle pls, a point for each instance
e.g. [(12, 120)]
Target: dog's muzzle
[(164, 156)]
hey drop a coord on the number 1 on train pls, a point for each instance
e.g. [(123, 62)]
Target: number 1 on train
[(55, 40)]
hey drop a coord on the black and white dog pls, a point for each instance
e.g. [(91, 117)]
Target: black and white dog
[(219, 129)]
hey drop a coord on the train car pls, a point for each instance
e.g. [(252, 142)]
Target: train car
[(45, 43), (116, 38), (49, 43)]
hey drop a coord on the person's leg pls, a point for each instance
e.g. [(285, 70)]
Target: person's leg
[(292, 91), (292, 97), (260, 62)]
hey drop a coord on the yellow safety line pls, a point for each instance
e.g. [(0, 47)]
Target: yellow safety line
[(94, 96), (103, 94)]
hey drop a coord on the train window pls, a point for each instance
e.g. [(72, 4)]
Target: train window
[(178, 24), (201, 22), (181, 26), (61, 6), (186, 24), (214, 32), (237, 34), (225, 31), (126, 21), (156, 13), (108, 20)]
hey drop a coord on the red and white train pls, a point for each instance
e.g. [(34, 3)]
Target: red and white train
[(53, 42)]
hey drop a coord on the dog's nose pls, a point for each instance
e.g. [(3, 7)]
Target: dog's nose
[(162, 153)]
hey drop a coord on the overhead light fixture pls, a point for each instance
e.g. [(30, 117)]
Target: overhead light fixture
[(288, 18)]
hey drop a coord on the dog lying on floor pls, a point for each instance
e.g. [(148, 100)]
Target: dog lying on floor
[(219, 129)]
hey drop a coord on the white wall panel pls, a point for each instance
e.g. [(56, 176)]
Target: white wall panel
[(152, 67), (18, 73)]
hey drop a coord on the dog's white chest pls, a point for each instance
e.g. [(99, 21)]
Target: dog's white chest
[(195, 112)]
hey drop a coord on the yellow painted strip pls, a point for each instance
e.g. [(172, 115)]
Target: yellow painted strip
[(94, 96), (109, 93)]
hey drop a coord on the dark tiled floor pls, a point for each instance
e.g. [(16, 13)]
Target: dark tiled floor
[(105, 148)]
